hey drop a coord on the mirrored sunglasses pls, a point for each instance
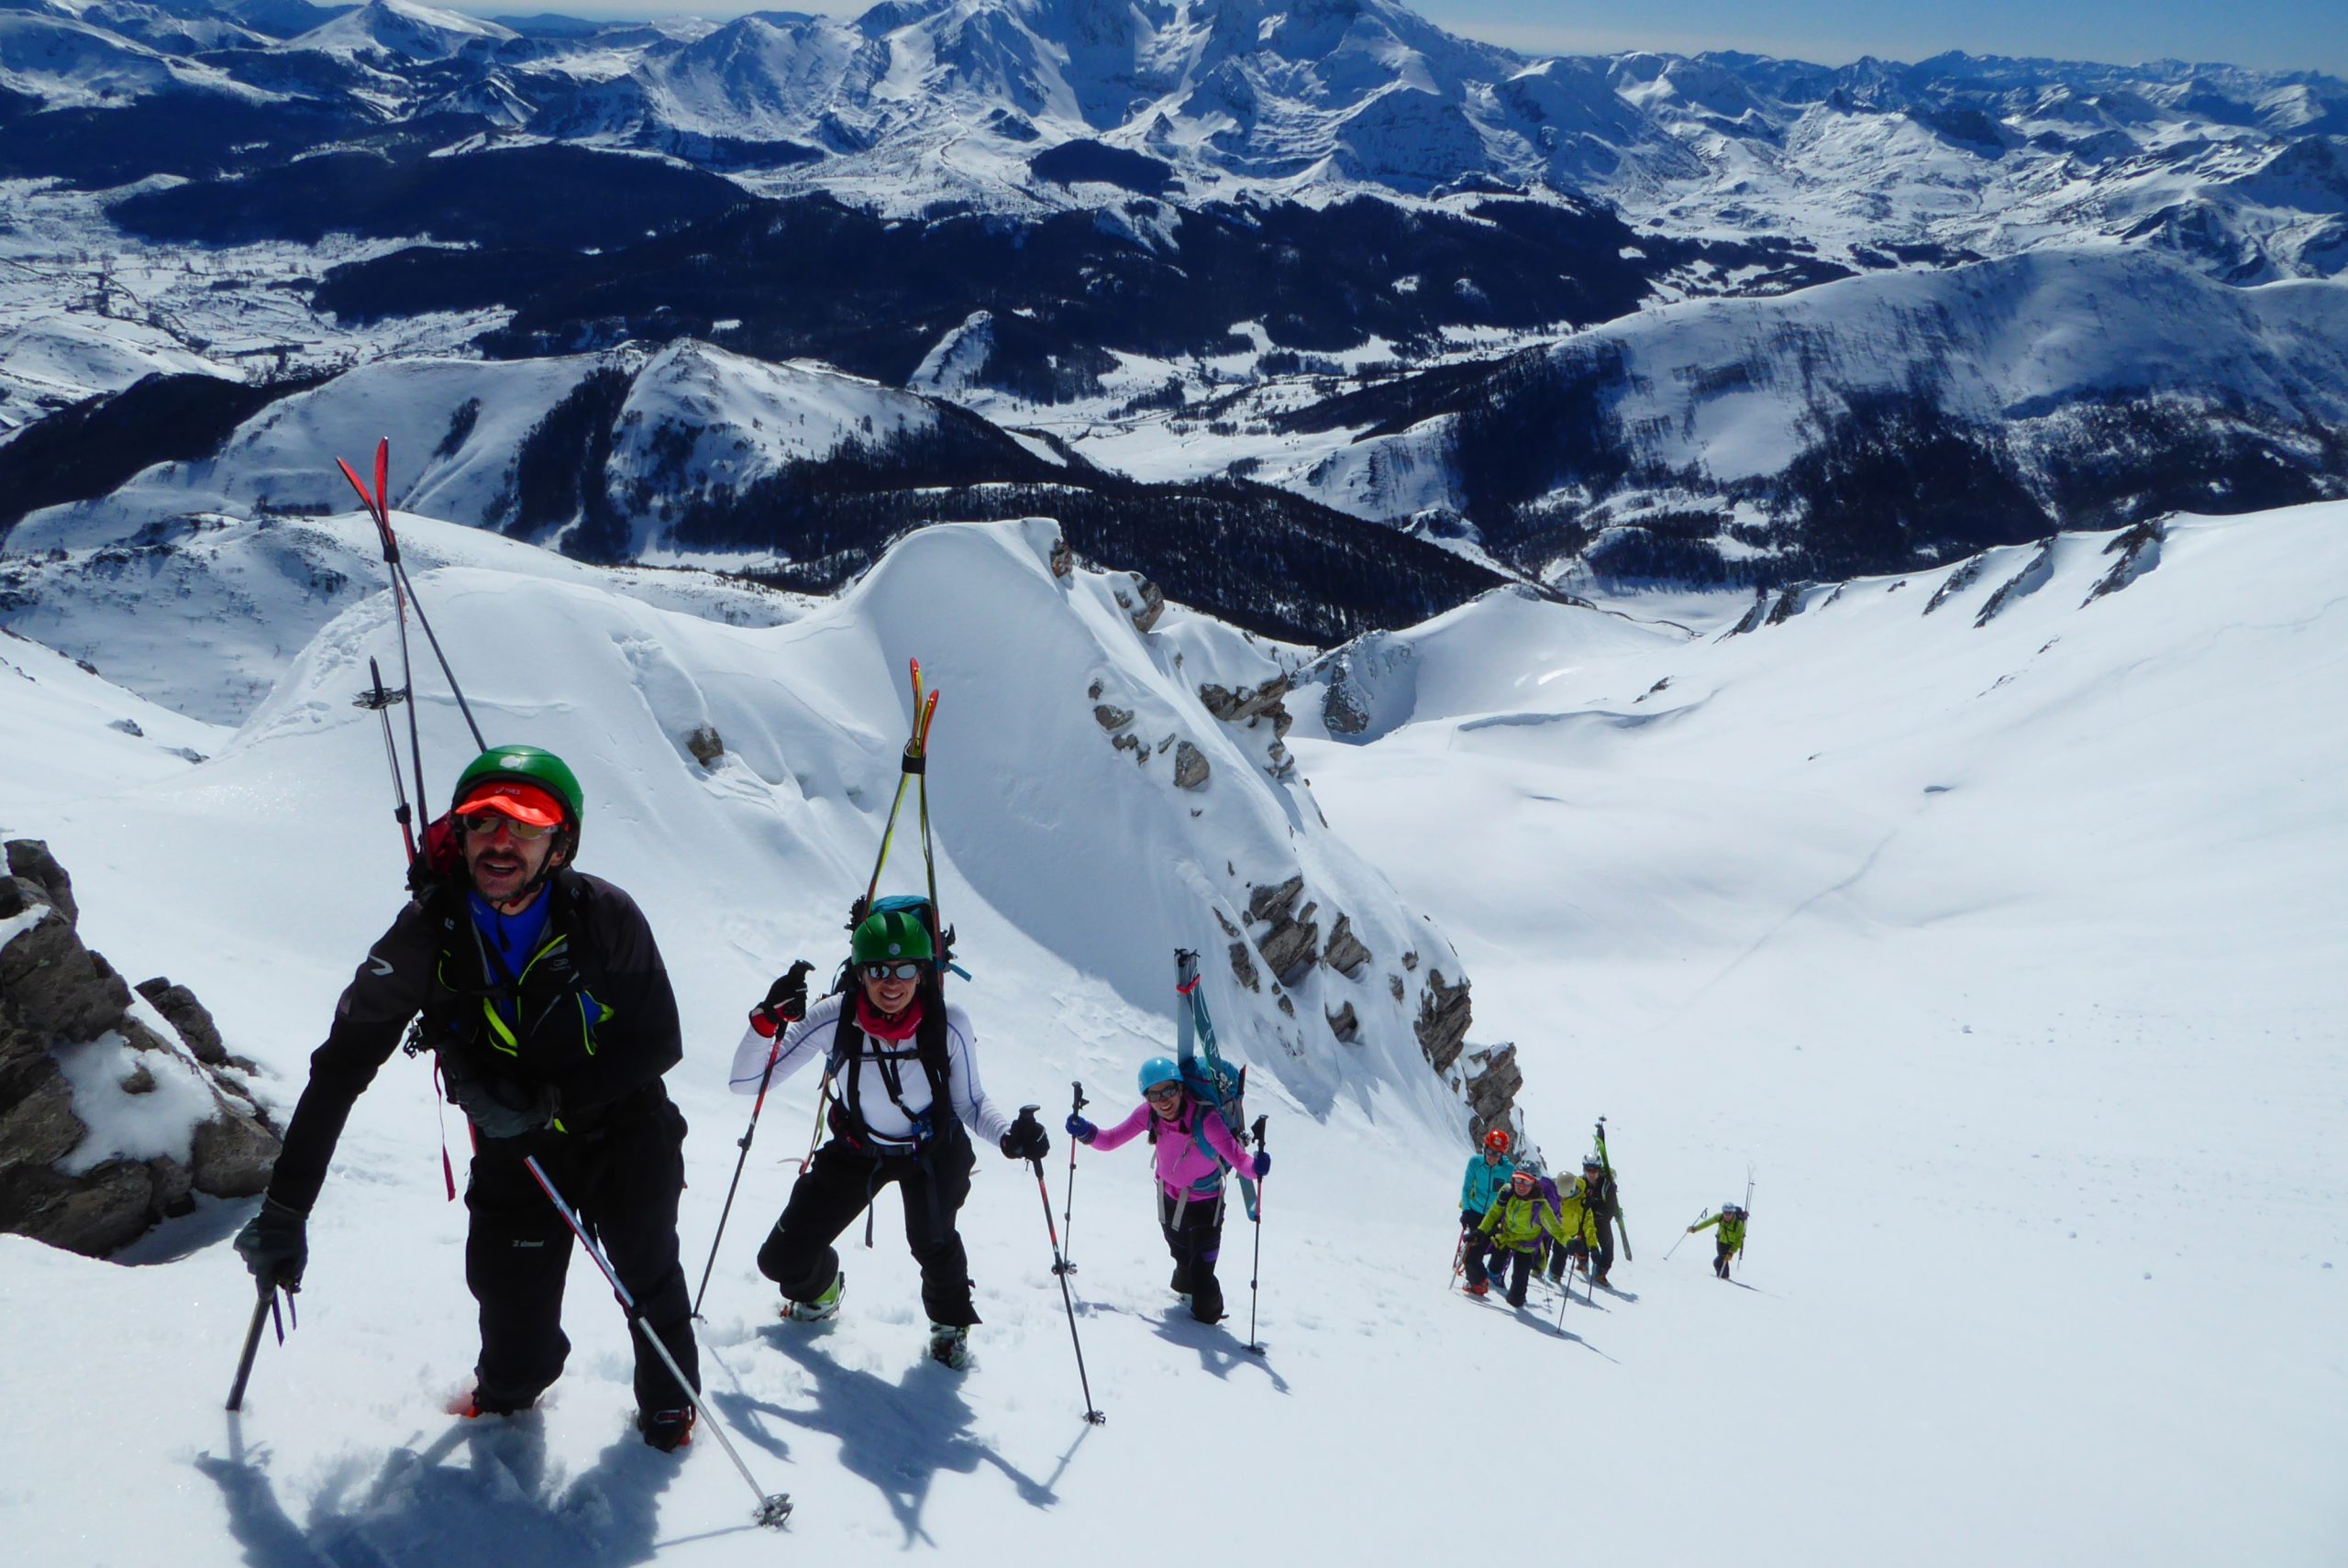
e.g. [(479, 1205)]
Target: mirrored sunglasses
[(1163, 1091), (487, 822), (907, 971)]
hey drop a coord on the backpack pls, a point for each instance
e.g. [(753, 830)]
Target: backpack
[(1208, 1080)]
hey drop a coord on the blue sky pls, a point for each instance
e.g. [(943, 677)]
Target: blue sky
[(2279, 35)]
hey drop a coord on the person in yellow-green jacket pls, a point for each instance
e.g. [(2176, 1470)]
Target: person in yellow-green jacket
[(1731, 1220), (1516, 1222)]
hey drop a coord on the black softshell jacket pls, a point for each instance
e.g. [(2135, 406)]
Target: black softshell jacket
[(592, 1015)]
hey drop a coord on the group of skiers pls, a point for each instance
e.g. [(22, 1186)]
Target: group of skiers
[(1516, 1222), (542, 994)]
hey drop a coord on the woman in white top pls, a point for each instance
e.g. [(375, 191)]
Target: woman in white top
[(905, 1077)]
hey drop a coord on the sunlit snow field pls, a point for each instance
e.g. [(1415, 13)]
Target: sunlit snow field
[(2005, 957)]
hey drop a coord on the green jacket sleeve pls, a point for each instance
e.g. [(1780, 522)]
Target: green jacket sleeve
[(1492, 1216), (1706, 1223)]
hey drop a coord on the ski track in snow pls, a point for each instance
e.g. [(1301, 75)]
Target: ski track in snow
[(2022, 995)]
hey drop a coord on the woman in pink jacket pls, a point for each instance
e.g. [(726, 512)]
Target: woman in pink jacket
[(1193, 1149)]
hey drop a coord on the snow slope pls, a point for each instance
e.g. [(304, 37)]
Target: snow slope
[(2002, 950), (204, 612)]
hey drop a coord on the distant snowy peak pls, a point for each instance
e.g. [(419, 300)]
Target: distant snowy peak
[(533, 447), (400, 32)]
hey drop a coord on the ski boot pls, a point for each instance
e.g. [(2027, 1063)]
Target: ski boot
[(824, 1308), (1477, 1289), (472, 1405), (667, 1430), (949, 1346)]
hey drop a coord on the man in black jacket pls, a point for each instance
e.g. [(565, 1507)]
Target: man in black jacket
[(544, 995)]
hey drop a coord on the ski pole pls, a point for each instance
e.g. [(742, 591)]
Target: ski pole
[(1044, 1196), (1068, 1215), (1257, 1267), (797, 971), (1683, 1236), (773, 1507), (264, 1308)]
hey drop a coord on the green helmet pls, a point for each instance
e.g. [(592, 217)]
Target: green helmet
[(890, 933), (527, 764)]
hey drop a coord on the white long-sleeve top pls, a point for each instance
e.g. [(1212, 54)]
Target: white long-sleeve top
[(811, 1038)]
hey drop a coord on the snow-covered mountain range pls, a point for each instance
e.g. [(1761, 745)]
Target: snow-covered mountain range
[(1024, 103), (1719, 318)]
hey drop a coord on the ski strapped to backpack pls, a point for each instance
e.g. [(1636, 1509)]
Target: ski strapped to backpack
[(432, 854), (912, 765), (1207, 1079), (1606, 1164)]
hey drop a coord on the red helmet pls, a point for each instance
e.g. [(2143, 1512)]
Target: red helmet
[(1497, 1140)]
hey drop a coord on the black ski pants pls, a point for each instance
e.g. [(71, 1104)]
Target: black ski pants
[(1577, 1247), (841, 1182), (1720, 1256), (623, 1177), (1507, 1266), (1476, 1247), (1193, 1230)]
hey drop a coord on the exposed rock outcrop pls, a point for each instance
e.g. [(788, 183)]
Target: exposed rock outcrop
[(1346, 954), (1190, 766), (76, 1046), (1144, 602), (1442, 1026), (1493, 1079)]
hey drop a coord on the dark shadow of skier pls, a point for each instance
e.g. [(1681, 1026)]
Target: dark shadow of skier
[(895, 1436), (499, 1506), (1219, 1350)]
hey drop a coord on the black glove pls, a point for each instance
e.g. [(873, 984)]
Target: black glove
[(787, 997), (498, 1106), (1026, 1140), (275, 1244)]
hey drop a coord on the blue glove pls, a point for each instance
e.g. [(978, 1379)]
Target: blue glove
[(1263, 1165), (1081, 1129)]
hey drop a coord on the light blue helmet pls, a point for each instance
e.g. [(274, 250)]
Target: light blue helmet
[(1160, 1070)]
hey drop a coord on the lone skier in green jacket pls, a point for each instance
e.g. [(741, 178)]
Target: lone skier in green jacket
[(1731, 1244)]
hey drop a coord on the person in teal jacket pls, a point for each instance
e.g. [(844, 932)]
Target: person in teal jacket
[(1731, 1220), (1485, 1184)]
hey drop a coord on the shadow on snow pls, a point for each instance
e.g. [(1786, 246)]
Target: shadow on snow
[(896, 1436), (503, 1505)]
